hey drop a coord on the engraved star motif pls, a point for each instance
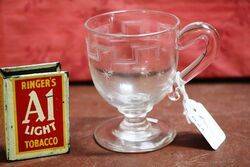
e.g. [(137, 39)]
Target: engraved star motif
[(107, 74)]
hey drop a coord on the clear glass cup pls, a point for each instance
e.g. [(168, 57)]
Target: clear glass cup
[(133, 57)]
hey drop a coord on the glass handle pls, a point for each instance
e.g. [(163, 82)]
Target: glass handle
[(188, 36)]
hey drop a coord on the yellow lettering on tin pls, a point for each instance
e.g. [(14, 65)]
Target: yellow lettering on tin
[(53, 82), (31, 85), (39, 83), (47, 83), (23, 85), (51, 141)]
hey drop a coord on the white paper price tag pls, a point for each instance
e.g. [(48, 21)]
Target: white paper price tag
[(197, 114), (205, 123)]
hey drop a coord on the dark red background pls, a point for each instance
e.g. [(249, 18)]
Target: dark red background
[(22, 101), (35, 31)]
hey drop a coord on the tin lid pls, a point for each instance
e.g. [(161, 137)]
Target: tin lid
[(30, 69)]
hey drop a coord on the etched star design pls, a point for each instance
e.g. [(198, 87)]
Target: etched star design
[(107, 74)]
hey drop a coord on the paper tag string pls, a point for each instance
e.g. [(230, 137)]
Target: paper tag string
[(181, 87), (197, 114)]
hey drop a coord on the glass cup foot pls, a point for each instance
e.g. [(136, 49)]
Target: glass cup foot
[(154, 135)]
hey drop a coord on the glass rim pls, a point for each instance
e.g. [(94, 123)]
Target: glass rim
[(132, 35)]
